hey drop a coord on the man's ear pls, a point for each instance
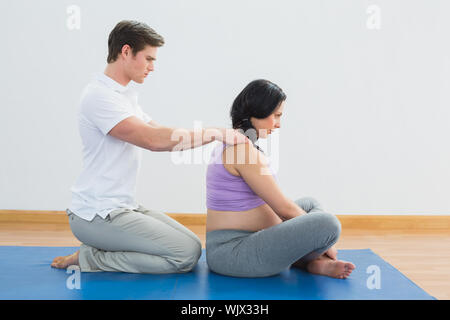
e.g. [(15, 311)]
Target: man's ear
[(126, 50)]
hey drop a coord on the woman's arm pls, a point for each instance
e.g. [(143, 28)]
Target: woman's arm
[(254, 171)]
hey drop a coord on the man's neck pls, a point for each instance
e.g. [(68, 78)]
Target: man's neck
[(116, 73)]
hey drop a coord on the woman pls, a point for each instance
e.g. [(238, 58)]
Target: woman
[(253, 230)]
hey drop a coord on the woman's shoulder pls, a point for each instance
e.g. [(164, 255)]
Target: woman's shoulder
[(241, 147), (243, 154)]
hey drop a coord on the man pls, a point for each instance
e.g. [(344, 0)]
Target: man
[(117, 234)]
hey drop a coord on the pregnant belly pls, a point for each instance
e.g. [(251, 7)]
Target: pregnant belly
[(255, 219)]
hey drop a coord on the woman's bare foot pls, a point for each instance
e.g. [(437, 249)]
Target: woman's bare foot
[(332, 268), (64, 262), (332, 253)]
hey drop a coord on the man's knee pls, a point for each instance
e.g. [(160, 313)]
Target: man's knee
[(190, 256)]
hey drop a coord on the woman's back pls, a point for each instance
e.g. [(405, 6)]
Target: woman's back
[(231, 203)]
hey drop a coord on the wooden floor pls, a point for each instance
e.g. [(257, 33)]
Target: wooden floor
[(424, 257)]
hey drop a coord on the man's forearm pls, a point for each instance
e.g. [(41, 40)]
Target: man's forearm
[(190, 139), (171, 139)]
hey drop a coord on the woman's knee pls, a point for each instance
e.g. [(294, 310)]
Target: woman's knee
[(330, 225), (308, 203)]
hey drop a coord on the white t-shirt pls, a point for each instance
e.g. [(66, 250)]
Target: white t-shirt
[(110, 166)]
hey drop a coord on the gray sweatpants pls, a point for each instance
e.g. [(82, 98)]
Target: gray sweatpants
[(269, 251), (135, 241)]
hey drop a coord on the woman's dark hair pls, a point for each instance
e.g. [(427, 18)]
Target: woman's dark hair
[(136, 34), (259, 99)]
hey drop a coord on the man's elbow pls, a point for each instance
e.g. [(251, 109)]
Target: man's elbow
[(160, 145), (156, 146), (160, 140)]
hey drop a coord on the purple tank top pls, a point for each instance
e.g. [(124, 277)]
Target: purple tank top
[(226, 192)]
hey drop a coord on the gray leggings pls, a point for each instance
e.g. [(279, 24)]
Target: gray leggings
[(135, 241), (269, 251)]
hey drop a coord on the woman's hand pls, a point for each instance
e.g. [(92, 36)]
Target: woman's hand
[(332, 253)]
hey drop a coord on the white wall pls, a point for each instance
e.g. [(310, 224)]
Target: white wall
[(366, 123)]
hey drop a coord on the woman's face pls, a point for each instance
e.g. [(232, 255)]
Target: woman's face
[(265, 126)]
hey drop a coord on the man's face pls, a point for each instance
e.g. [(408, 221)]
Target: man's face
[(139, 66)]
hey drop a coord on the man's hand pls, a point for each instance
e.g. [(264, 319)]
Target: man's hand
[(231, 136)]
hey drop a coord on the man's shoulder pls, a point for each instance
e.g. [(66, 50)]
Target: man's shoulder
[(95, 92), (96, 89)]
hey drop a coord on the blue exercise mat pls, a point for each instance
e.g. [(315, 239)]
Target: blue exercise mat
[(25, 273)]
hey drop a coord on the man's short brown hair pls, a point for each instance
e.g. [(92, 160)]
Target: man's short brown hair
[(136, 34)]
